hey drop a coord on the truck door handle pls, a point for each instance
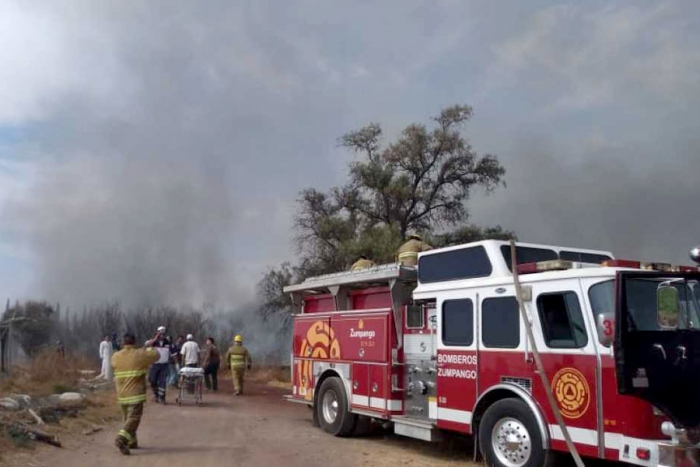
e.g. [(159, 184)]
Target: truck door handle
[(661, 348)]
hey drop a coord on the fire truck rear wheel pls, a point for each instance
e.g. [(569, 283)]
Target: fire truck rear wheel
[(509, 436), (332, 408)]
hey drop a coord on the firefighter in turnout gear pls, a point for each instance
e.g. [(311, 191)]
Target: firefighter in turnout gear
[(238, 358), (130, 368), (408, 252), (362, 263)]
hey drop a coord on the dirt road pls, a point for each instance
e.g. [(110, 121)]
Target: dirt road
[(258, 429)]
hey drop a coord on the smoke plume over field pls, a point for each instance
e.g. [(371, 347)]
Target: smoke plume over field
[(151, 153)]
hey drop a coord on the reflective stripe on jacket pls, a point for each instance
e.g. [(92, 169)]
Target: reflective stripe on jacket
[(237, 356), (408, 252), (130, 368)]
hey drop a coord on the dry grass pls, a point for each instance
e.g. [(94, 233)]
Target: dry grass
[(101, 409), (48, 373), (275, 376)]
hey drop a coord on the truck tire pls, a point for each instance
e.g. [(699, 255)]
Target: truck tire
[(509, 436), (332, 408)]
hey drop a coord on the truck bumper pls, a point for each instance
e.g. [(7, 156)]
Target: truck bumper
[(675, 455)]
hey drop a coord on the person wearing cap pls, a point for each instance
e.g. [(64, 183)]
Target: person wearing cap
[(190, 352), (158, 375), (362, 263), (408, 252), (238, 358)]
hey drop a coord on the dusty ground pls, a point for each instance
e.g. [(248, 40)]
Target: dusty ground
[(259, 429)]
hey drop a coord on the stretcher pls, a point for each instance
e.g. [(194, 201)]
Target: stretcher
[(191, 382)]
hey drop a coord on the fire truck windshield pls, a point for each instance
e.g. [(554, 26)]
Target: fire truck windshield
[(641, 302)]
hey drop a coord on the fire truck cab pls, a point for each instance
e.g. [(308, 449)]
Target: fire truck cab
[(443, 347)]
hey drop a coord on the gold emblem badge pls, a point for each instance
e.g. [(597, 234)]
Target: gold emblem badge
[(320, 342), (571, 391)]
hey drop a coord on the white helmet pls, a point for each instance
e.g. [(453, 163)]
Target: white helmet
[(190, 337)]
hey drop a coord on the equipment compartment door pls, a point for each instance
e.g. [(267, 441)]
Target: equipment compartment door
[(312, 341), (456, 360), (360, 385), (378, 382)]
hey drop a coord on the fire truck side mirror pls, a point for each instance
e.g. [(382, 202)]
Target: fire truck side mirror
[(667, 307), (606, 328)]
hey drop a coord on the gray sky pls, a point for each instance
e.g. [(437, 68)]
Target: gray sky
[(152, 151)]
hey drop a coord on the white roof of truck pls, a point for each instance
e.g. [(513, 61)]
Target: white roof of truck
[(499, 265)]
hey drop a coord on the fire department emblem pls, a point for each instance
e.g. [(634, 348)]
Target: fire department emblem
[(572, 393), (319, 342)]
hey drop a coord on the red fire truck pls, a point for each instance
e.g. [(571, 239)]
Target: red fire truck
[(443, 347)]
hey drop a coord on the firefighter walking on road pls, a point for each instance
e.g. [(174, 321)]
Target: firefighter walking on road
[(408, 252), (239, 360), (130, 368)]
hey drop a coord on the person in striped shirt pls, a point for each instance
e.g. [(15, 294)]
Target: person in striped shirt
[(130, 368)]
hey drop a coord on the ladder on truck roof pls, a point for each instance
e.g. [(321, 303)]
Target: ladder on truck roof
[(360, 278), (401, 280)]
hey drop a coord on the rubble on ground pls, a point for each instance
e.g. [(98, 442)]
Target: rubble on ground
[(8, 403), (22, 415)]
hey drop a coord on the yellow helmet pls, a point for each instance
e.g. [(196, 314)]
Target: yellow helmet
[(238, 338)]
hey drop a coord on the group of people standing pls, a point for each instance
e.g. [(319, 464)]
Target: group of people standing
[(184, 352), (132, 365)]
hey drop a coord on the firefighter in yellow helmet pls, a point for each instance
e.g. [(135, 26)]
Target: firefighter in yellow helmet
[(362, 263), (130, 367), (238, 358), (408, 252)]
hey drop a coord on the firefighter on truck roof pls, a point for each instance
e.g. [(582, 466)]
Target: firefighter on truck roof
[(238, 358), (130, 367), (362, 263), (408, 252)]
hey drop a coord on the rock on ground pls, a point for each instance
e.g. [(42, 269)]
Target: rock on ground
[(23, 400), (7, 403)]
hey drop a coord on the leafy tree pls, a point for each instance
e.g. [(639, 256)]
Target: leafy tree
[(419, 183)]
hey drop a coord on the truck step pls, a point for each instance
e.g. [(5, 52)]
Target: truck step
[(297, 401), (419, 429)]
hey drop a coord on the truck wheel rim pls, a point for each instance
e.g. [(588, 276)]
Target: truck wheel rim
[(330, 406), (511, 442)]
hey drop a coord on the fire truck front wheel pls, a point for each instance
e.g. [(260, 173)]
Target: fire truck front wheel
[(509, 436), (332, 408)]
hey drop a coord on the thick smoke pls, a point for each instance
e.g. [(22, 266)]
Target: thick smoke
[(150, 174), (166, 141), (645, 211)]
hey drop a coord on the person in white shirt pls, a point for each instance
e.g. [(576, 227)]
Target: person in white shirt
[(106, 357), (190, 352)]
